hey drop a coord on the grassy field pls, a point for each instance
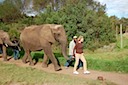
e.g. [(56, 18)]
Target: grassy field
[(13, 75), (116, 61)]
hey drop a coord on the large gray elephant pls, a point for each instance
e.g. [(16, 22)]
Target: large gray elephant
[(5, 42), (38, 37)]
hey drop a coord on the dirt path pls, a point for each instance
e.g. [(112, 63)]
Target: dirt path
[(117, 78)]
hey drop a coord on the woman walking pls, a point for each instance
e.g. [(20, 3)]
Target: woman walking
[(79, 55)]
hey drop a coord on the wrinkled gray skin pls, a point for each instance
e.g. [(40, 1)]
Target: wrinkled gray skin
[(5, 42), (38, 37)]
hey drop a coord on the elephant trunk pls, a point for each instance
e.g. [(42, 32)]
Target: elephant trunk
[(8, 42), (64, 52)]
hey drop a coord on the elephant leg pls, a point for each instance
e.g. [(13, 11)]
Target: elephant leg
[(30, 59), (49, 53), (4, 53), (24, 58), (45, 60)]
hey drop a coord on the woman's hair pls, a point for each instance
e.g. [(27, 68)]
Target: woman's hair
[(80, 37)]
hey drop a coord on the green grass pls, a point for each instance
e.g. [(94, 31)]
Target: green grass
[(12, 74), (116, 61), (125, 42)]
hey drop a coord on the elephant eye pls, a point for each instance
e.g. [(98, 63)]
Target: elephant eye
[(57, 34), (57, 37)]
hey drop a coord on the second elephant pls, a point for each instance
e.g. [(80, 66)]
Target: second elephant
[(4, 42), (38, 37)]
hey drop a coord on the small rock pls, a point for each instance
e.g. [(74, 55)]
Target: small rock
[(100, 78)]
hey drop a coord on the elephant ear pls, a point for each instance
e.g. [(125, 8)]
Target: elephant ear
[(46, 33), (1, 42), (57, 29), (3, 36)]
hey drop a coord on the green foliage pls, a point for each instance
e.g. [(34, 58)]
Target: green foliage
[(27, 21), (10, 10), (14, 33), (116, 61), (125, 42), (78, 19), (111, 61), (4, 27)]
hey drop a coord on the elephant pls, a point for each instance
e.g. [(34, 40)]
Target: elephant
[(41, 37), (4, 43)]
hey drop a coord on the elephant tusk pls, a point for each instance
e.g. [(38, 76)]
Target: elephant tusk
[(6, 45)]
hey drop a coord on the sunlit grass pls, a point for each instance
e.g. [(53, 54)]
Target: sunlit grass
[(11, 74), (116, 61)]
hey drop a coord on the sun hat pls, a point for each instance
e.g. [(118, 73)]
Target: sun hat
[(74, 37)]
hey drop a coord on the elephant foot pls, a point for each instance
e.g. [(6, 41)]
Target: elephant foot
[(44, 65), (58, 69), (31, 64), (24, 61), (5, 60)]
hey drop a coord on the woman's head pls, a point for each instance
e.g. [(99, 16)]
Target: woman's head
[(75, 38), (81, 38)]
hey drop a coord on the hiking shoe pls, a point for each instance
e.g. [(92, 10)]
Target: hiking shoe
[(81, 68), (75, 72), (87, 72), (66, 67)]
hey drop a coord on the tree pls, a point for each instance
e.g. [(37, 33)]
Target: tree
[(124, 22), (10, 10), (79, 19)]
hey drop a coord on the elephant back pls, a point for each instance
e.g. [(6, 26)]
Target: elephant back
[(30, 35)]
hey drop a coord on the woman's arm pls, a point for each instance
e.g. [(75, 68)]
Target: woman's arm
[(74, 50)]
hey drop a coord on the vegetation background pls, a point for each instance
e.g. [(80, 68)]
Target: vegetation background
[(79, 17)]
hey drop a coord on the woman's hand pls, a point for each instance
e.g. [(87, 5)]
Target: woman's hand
[(74, 55)]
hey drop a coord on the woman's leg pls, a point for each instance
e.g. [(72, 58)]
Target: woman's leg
[(84, 62), (80, 64), (76, 62)]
